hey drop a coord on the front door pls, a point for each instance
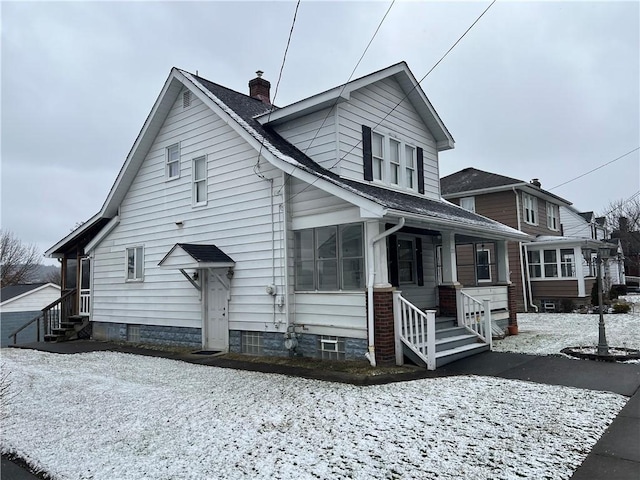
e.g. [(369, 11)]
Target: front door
[(217, 319)]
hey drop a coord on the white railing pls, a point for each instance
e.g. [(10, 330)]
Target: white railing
[(85, 301), (475, 316), (415, 329)]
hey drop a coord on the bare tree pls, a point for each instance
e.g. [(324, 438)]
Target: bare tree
[(18, 262), (54, 276), (626, 208)]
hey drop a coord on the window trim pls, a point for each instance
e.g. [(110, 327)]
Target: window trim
[(136, 257), (169, 163), (488, 265), (403, 165), (533, 208), (559, 264), (195, 182)]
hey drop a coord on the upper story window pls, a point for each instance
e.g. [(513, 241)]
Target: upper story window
[(135, 264), (330, 258), (553, 216), (173, 161), (200, 181), (468, 203), (530, 209), (392, 161)]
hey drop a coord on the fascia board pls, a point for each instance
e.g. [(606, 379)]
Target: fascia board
[(341, 92), (30, 292), (79, 231), (106, 230), (449, 225), (483, 191)]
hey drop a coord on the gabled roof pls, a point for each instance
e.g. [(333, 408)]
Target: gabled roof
[(471, 181), (243, 113), (399, 72), (588, 216), (12, 292)]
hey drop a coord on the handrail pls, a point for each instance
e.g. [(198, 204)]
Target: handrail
[(50, 321), (475, 316), (416, 329)]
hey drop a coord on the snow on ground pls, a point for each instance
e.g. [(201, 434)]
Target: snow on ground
[(107, 415), (548, 333)]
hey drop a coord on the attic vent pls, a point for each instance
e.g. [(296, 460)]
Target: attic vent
[(186, 99)]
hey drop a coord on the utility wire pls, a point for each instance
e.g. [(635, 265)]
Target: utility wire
[(406, 95), (343, 87), (284, 58), (597, 168)]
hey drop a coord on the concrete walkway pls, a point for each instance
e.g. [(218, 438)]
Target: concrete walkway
[(615, 456)]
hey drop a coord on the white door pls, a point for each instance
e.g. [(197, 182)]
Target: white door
[(217, 319)]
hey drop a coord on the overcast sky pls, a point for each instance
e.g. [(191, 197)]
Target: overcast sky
[(544, 90)]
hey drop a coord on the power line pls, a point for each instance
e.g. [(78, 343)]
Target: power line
[(344, 86), (597, 168), (284, 58), (407, 94)]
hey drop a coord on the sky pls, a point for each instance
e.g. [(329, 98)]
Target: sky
[(547, 90)]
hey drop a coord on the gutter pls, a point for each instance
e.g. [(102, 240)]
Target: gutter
[(371, 354), (524, 262)]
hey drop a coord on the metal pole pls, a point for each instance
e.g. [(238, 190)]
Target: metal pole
[(603, 348)]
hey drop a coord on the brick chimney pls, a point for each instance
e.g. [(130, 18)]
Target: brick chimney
[(260, 88), (536, 183), (624, 224)]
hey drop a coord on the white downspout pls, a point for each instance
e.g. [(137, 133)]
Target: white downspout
[(524, 268), (371, 354)]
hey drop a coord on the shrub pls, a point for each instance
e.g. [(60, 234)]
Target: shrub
[(566, 304), (617, 290), (621, 308)]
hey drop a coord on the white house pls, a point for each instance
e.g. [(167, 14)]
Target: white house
[(20, 304), (238, 226)]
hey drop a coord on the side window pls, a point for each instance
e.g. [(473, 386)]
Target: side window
[(173, 161), (530, 209), (200, 181), (377, 150), (468, 203), (135, 264)]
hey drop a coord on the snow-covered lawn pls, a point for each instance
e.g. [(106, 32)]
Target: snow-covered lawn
[(548, 333), (116, 416)]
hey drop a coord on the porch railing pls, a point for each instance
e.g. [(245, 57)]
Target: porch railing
[(415, 329), (85, 301), (50, 317), (475, 316)]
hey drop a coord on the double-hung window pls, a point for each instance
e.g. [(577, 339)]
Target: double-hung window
[(483, 265), (567, 262), (468, 203), (377, 150), (535, 266), (394, 162), (330, 258), (173, 161), (406, 260), (410, 167), (135, 264), (550, 264), (553, 216), (200, 181), (530, 209)]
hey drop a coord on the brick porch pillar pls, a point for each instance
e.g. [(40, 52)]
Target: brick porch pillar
[(384, 331), (512, 303), (447, 295)]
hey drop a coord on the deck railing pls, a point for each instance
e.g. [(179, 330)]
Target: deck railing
[(475, 316), (50, 317), (85, 301), (415, 329)]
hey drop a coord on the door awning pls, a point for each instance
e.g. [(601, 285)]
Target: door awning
[(188, 255)]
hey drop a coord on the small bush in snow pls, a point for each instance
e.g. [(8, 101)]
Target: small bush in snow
[(621, 308)]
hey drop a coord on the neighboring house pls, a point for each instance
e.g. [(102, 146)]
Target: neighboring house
[(237, 226), (550, 273), (21, 303), (630, 241)]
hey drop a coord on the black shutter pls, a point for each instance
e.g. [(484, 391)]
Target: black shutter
[(420, 170), (419, 266), (392, 255), (367, 156)]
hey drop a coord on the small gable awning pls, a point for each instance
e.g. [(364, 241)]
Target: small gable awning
[(187, 255)]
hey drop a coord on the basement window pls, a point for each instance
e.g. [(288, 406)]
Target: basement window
[(331, 348), (252, 343)]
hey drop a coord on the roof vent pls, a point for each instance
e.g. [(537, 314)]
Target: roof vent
[(186, 99), (260, 88), (536, 183)]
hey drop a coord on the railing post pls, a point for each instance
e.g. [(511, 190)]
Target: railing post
[(459, 308), (487, 323), (431, 339), (397, 319)]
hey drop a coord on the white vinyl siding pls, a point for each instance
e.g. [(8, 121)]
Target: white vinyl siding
[(35, 300), (237, 219), (367, 106)]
